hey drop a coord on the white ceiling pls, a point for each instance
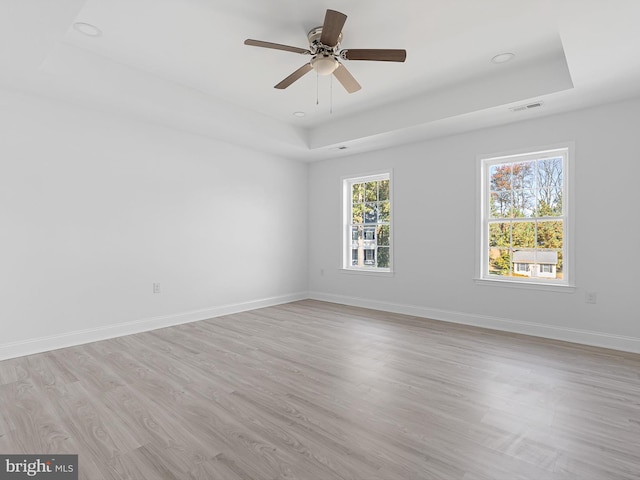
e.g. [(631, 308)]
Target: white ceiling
[(182, 63)]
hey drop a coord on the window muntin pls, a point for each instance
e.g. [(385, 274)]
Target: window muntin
[(368, 223), (525, 217)]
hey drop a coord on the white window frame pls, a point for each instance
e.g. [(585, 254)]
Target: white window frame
[(347, 183), (567, 283)]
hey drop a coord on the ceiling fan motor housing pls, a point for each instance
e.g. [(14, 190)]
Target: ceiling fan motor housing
[(324, 60), (316, 46)]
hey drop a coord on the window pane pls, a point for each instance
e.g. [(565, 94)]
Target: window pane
[(550, 202), (550, 234), (524, 234), (369, 233), (371, 213), (523, 175), (499, 261), (500, 176), (383, 257), (383, 235), (524, 262), (384, 212), (550, 178), (500, 204), (524, 203), (358, 213), (357, 256), (500, 234), (550, 172), (356, 233), (369, 257), (383, 190), (371, 194), (357, 193)]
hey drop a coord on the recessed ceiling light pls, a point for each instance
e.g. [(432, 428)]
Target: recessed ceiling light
[(87, 29), (503, 57), (298, 114)]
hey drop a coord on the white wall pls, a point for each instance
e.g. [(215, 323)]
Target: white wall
[(435, 193), (95, 208)]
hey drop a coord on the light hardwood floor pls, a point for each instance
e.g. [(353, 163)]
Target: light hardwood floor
[(313, 390)]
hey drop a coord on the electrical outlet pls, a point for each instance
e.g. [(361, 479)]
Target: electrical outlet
[(591, 297), (322, 272), (156, 288)]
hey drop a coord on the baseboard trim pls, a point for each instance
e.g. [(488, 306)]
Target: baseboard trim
[(79, 337), (584, 337)]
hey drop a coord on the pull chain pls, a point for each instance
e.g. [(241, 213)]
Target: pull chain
[(317, 88)]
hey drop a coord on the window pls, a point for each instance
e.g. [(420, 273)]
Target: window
[(524, 218), (367, 220)]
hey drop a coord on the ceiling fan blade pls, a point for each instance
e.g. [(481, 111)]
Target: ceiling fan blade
[(379, 55), (306, 68), (332, 27), (276, 46), (349, 83)]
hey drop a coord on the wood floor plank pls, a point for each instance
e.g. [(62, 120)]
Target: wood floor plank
[(314, 391)]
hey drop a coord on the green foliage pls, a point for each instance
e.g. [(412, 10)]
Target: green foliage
[(499, 261), (500, 234), (371, 191), (383, 235), (383, 257), (523, 234), (358, 213), (357, 193), (384, 212), (550, 234), (383, 190)]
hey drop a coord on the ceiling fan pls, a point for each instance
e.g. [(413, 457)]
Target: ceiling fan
[(324, 44)]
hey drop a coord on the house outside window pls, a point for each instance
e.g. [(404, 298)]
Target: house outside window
[(367, 223), (525, 221)]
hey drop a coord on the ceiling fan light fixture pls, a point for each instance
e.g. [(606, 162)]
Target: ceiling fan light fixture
[(324, 64)]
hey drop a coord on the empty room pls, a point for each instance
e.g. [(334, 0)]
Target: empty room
[(356, 240)]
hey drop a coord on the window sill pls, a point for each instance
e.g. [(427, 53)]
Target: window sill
[(547, 287), (374, 273)]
